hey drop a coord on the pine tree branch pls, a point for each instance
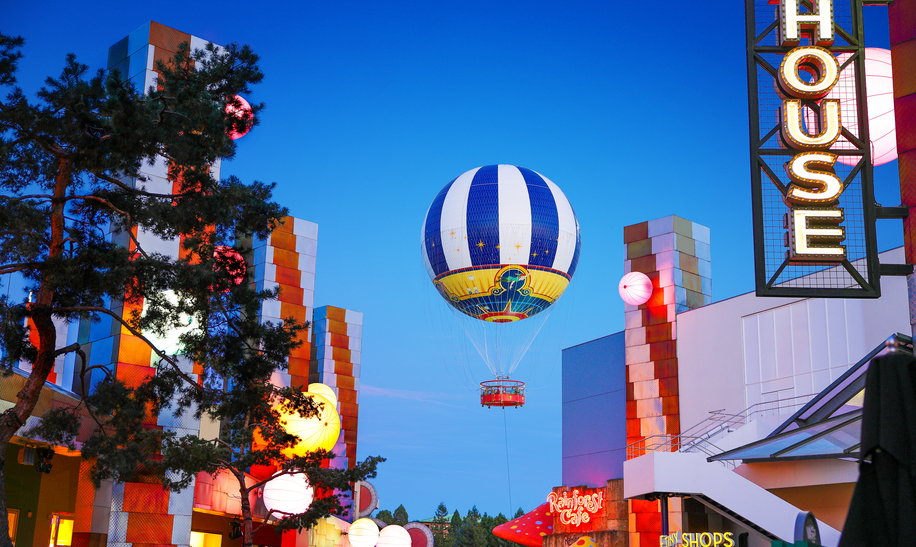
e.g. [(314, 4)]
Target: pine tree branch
[(121, 185), (162, 355), (69, 349), (44, 197), (125, 214), (10, 268)]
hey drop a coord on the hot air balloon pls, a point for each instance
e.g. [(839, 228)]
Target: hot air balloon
[(501, 244)]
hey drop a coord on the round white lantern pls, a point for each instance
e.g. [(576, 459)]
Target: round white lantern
[(394, 536), (363, 533), (879, 90), (290, 494), (325, 391), (635, 288)]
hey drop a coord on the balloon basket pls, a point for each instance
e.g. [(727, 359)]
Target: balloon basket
[(502, 392)]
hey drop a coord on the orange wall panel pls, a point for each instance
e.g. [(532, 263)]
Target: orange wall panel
[(283, 240), (145, 498), (343, 369), (346, 382), (296, 311), (287, 259), (340, 341), (289, 293), (133, 350), (289, 276), (149, 528)]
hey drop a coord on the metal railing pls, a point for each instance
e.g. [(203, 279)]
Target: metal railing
[(699, 437)]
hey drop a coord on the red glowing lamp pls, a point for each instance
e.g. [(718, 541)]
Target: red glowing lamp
[(232, 261), (238, 113)]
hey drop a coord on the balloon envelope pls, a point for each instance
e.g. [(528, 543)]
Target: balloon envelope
[(500, 243)]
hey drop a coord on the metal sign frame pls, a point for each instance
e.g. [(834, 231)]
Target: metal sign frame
[(855, 276)]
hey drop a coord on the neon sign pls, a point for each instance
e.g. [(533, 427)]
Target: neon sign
[(576, 509), (700, 539), (814, 219)]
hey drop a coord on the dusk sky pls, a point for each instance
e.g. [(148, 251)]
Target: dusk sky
[(635, 110)]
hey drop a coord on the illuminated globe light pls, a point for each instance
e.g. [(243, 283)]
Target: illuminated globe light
[(318, 432), (363, 533), (635, 288), (168, 342), (879, 89), (238, 112), (394, 536), (325, 391), (290, 494)]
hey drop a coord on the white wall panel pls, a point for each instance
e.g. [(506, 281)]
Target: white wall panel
[(767, 329), (801, 338), (836, 333), (751, 350), (782, 318)]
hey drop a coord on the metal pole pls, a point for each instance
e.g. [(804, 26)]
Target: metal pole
[(664, 509)]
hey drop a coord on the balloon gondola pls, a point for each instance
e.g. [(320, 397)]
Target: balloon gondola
[(500, 244), (502, 392)]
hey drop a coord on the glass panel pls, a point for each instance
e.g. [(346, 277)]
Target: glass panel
[(833, 443), (843, 438)]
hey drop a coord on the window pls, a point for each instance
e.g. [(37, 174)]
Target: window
[(206, 539), (61, 530), (13, 516)]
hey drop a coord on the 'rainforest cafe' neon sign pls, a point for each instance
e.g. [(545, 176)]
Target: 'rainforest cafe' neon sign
[(576, 509)]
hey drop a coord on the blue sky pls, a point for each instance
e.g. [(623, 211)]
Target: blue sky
[(372, 107)]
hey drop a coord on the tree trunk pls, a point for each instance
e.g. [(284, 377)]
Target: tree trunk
[(247, 522), (41, 313)]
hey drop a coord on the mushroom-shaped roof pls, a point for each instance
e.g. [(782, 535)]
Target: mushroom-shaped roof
[(528, 529)]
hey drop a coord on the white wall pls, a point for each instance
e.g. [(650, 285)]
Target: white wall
[(744, 350)]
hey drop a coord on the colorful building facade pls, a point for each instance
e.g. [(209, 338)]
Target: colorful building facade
[(51, 498)]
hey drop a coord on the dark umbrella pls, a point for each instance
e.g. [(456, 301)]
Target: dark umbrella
[(883, 508)]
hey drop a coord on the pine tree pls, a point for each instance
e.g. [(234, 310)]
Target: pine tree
[(471, 533), (441, 536), (400, 516), (65, 172), (385, 516), (455, 523)]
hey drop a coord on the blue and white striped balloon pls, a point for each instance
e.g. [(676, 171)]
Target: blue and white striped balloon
[(500, 242)]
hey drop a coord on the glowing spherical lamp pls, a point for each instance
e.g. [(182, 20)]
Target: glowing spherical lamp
[(363, 533), (238, 112), (635, 288), (290, 494), (879, 89), (318, 432), (325, 391), (394, 536)]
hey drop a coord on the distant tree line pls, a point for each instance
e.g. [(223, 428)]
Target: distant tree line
[(474, 530)]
